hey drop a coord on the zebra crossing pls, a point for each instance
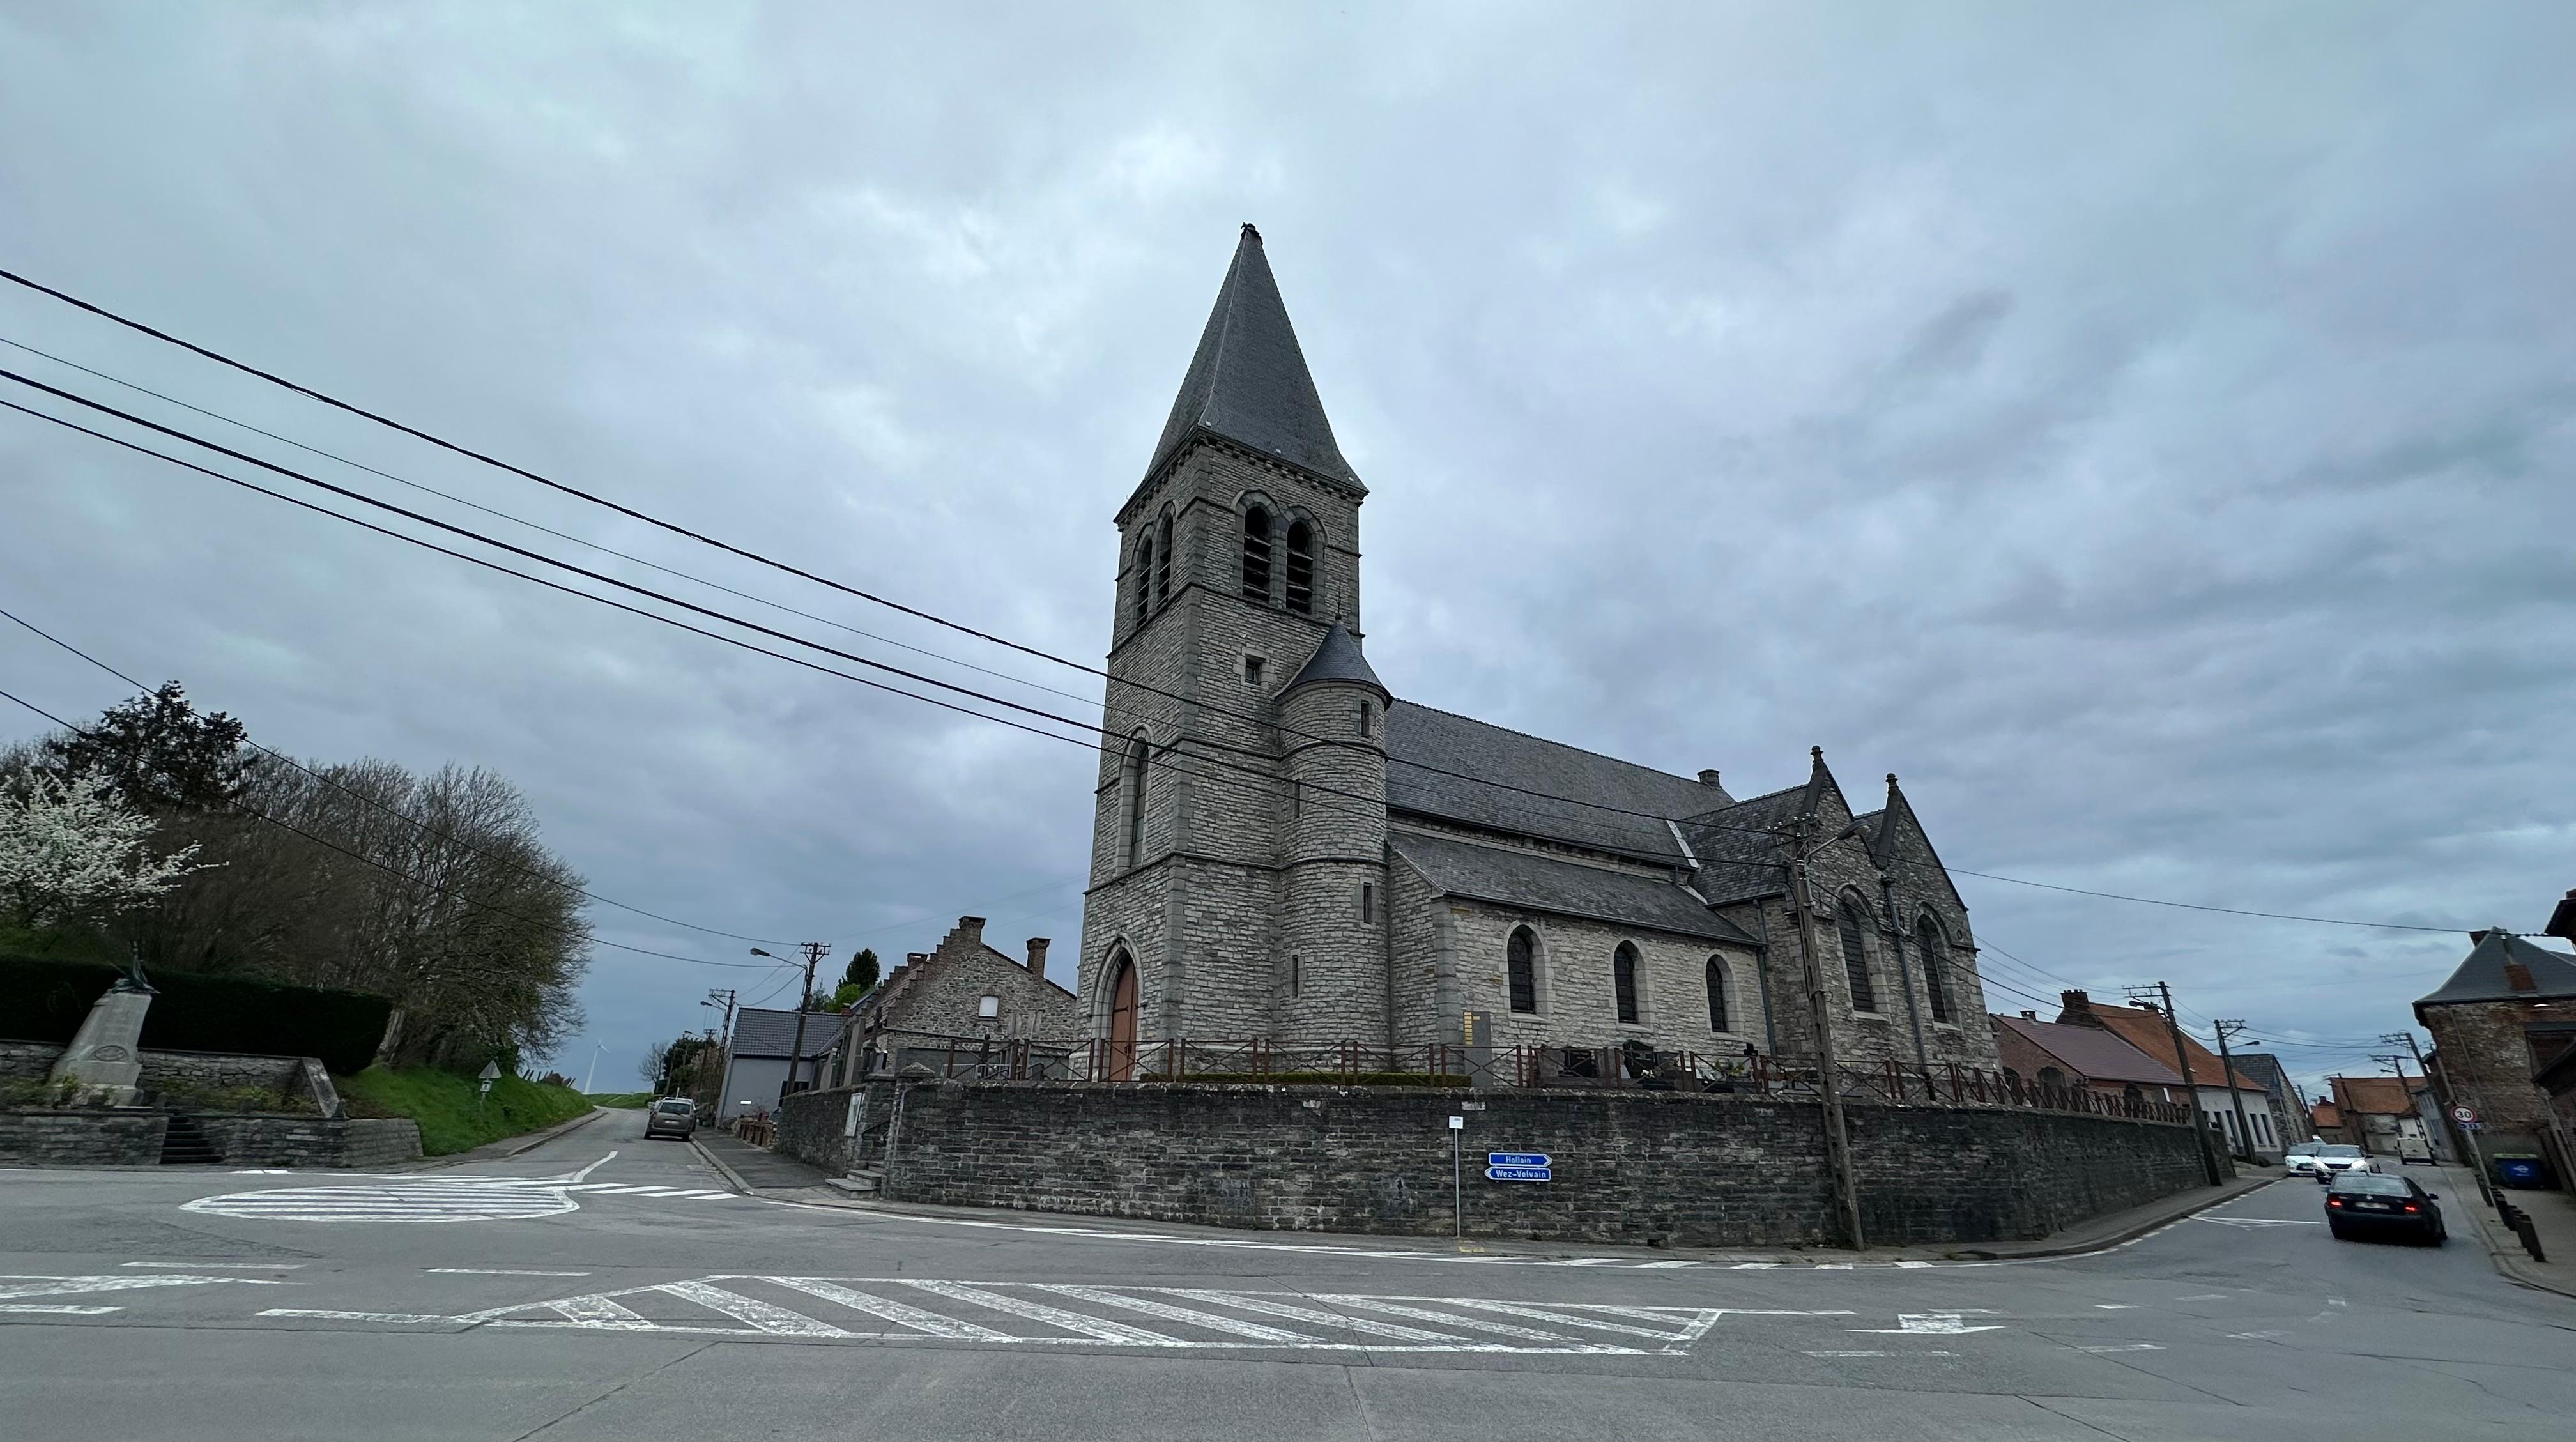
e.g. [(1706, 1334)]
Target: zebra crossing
[(432, 1199), (879, 1310)]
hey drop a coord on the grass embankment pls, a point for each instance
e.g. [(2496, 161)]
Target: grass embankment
[(629, 1100), (452, 1117)]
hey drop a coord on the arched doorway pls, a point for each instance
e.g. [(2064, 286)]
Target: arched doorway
[(1122, 1018)]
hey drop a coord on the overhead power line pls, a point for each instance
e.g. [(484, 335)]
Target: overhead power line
[(406, 877), (354, 794), (2195, 906)]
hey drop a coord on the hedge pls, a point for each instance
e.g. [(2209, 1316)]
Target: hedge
[(46, 1001)]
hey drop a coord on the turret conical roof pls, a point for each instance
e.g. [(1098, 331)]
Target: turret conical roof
[(1339, 659), (1248, 382)]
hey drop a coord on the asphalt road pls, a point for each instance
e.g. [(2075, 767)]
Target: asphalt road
[(577, 1294)]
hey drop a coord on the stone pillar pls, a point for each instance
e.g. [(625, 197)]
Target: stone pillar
[(106, 1057)]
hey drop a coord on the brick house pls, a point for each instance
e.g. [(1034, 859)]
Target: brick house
[(2220, 1091), (2483, 1022), (2053, 1054), (961, 995), (2327, 1120), (1285, 852), (2378, 1110)]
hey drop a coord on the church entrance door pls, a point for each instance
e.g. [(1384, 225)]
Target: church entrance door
[(1122, 1022)]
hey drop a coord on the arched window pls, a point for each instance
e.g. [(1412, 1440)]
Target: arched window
[(1523, 956), (2050, 1076), (1847, 918), (1301, 568), (1623, 979), (1145, 577), (1122, 1017), (1256, 555), (1936, 966), (1717, 995), (1163, 558), (1135, 789)]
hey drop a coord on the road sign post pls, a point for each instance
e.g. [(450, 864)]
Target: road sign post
[(1457, 1178)]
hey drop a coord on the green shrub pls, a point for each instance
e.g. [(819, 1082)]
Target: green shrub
[(453, 1116), (46, 1001)]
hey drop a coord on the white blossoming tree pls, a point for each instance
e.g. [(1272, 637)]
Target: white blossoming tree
[(69, 851)]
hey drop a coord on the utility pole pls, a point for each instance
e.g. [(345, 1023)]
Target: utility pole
[(2182, 1064), (2227, 1027), (723, 996), (1828, 1075), (2441, 1101), (814, 951)]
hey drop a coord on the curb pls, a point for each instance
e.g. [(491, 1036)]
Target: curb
[(509, 1147), (2505, 1252), (732, 1178), (2242, 1186)]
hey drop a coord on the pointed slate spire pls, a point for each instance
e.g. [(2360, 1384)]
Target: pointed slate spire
[(1339, 659), (1248, 382)]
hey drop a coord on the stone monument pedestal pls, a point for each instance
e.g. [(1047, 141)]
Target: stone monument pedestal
[(106, 1057)]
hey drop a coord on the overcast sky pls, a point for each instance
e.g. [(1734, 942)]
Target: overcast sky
[(2148, 433)]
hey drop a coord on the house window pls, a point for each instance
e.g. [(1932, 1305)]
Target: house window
[(1847, 915), (1623, 980), (1135, 788), (1301, 568), (1522, 955), (2051, 1077), (1717, 995), (1251, 670), (1256, 555), (988, 1006), (1936, 967), (1163, 558)]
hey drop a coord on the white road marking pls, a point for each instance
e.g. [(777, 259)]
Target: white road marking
[(1882, 1354), (2124, 1347), (59, 1311), (218, 1266), (2203, 1297), (1660, 1331), (497, 1272), (1939, 1324), (2262, 1336), (2252, 1222), (2117, 1306), (455, 1199), (18, 1296)]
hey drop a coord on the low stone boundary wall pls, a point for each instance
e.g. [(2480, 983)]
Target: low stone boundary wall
[(1691, 1169), (133, 1139)]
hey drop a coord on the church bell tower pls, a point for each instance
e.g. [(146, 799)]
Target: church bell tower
[(1238, 865)]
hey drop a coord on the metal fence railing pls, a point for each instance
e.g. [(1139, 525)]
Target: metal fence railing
[(1632, 1066)]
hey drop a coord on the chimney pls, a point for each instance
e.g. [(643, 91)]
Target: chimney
[(2028, 1015), (1037, 957), (2078, 1009), (1709, 778), (971, 928)]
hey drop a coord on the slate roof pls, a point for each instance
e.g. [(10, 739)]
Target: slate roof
[(1457, 867), (1339, 659), (1492, 754), (2092, 1053), (2481, 974), (1738, 857), (1248, 382), (761, 1032)]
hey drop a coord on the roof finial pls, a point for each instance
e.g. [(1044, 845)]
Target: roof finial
[(1891, 778), (1816, 753), (1251, 233)]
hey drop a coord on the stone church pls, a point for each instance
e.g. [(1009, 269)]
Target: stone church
[(1285, 851)]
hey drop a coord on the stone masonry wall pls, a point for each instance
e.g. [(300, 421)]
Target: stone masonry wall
[(1577, 1000), (2487, 1058), (266, 1141), (81, 1139), (165, 1068), (945, 999), (1631, 1167)]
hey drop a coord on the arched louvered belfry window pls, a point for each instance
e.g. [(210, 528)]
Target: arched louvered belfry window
[(1936, 966), (1301, 568), (1847, 918), (1256, 555), (1135, 790), (1717, 1014), (1522, 954), (1623, 980), (1145, 577), (1163, 558)]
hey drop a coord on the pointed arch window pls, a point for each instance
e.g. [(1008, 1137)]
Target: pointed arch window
[(1522, 956), (1847, 917), (1135, 790), (1163, 558), (1145, 577), (1301, 568), (1256, 555), (1717, 1014), (1936, 966), (1623, 979)]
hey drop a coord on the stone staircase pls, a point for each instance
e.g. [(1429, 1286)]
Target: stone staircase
[(185, 1144), (864, 1182)]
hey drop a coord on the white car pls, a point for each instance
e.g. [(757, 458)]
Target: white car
[(2327, 1160), (2301, 1158)]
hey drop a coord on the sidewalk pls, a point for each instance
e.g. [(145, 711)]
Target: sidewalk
[(2553, 1216), (757, 1170)]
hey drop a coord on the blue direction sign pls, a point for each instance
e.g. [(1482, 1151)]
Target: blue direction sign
[(1518, 1174), (1516, 1159)]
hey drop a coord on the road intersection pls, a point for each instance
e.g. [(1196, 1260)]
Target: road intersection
[(604, 1286)]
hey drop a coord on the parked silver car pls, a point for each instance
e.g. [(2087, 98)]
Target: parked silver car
[(673, 1117)]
